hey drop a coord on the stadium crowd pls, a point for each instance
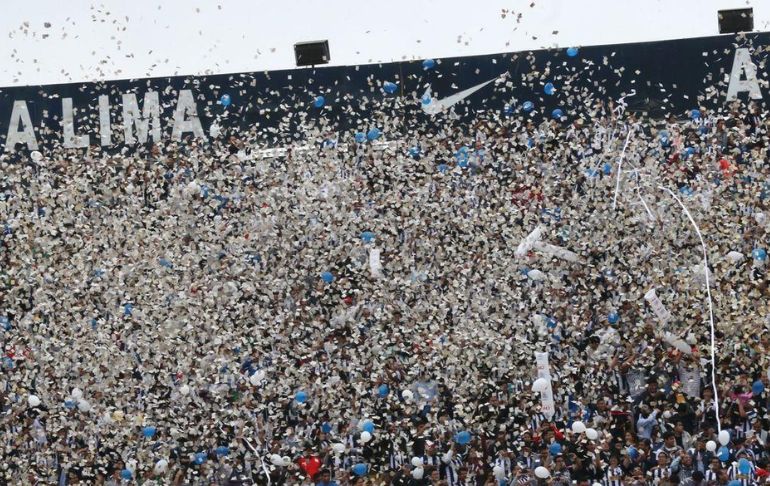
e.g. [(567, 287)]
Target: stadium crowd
[(356, 313)]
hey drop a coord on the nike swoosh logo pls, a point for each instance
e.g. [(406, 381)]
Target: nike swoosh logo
[(437, 106)]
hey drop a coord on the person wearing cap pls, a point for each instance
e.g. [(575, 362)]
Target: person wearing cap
[(662, 472)]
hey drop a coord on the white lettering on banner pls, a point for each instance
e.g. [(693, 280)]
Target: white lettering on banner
[(71, 140), (185, 106), (20, 115), (548, 407), (105, 127), (132, 118), (742, 65)]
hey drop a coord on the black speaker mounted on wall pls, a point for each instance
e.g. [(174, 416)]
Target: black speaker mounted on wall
[(311, 53), (736, 20)]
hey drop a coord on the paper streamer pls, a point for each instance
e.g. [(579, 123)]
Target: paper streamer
[(657, 306), (620, 169), (527, 243), (375, 265), (556, 251), (546, 396), (711, 303)]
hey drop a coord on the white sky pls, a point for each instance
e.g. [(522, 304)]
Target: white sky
[(116, 39)]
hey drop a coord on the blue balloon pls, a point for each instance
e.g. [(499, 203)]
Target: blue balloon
[(128, 309), (165, 263), (572, 51), (735, 482), (414, 151), (759, 254), (607, 169), (633, 453), (428, 64), (443, 168), (389, 87), (758, 387), (723, 454), (326, 427), (508, 110), (149, 431), (549, 89), (70, 404), (744, 466), (613, 318), (225, 100), (222, 450), (462, 156), (557, 113), (554, 449), (360, 137), (300, 397), (383, 390), (685, 190), (360, 469), (550, 323), (367, 236), (200, 458), (463, 437), (367, 426), (592, 173), (695, 114), (327, 277), (426, 100), (527, 106), (373, 134), (126, 474), (319, 101)]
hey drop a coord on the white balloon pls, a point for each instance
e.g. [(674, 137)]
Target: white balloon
[(578, 427), (365, 437), (257, 377), (285, 461), (77, 393), (407, 394), (161, 466), (338, 448), (417, 461), (711, 446), (542, 472), (418, 473), (184, 390), (539, 385), (735, 256), (499, 472), (536, 275), (36, 156), (592, 434), (276, 460), (84, 406), (33, 401), (724, 437)]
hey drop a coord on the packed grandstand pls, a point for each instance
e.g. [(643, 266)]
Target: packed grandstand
[(518, 296)]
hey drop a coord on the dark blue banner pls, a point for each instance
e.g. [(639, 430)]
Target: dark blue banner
[(275, 108)]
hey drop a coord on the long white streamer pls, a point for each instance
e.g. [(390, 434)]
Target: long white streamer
[(620, 168), (711, 305)]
